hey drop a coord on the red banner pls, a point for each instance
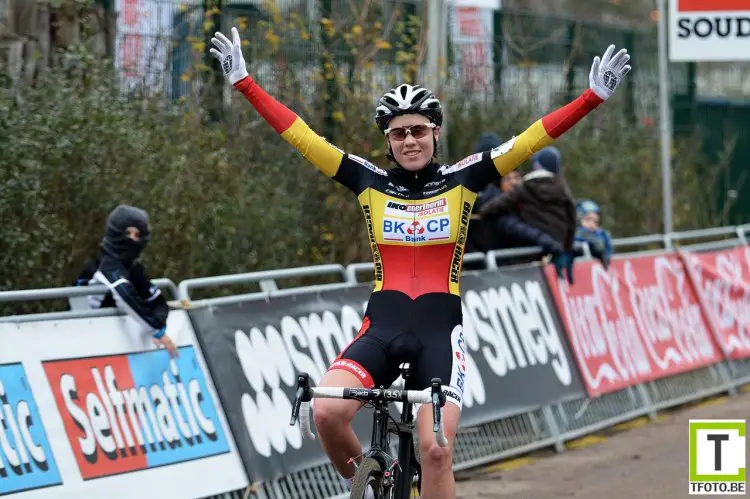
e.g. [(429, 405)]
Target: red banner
[(722, 279), (641, 320)]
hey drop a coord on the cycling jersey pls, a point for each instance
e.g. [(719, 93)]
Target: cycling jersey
[(416, 221), (417, 224)]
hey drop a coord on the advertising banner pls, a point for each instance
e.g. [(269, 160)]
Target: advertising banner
[(98, 412), (26, 460), (722, 279), (709, 30), (638, 321), (516, 359)]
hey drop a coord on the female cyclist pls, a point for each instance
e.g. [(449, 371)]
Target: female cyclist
[(417, 215)]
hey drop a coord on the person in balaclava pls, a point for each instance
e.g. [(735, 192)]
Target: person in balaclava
[(126, 236)]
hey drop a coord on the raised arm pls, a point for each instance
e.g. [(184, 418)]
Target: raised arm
[(606, 74), (313, 147)]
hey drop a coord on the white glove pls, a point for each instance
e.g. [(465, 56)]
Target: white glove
[(230, 56), (608, 72)]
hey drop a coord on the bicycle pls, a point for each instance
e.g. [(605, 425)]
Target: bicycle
[(378, 469)]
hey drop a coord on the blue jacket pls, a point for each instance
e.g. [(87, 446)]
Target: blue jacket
[(600, 243)]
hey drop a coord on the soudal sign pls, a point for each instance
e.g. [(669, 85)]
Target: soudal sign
[(709, 30), (131, 412)]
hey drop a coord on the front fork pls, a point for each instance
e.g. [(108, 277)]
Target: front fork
[(403, 474), (397, 477)]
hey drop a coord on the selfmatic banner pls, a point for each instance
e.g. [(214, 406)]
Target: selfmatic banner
[(26, 460), (96, 411)]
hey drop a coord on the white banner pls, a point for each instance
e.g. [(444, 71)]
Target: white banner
[(144, 31), (472, 34), (709, 30), (481, 4), (90, 409)]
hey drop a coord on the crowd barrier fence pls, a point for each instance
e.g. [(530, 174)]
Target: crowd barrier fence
[(586, 354)]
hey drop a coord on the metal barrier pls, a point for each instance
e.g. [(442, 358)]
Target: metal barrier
[(548, 426), (641, 241), (509, 435), (552, 425), (265, 278), (69, 293)]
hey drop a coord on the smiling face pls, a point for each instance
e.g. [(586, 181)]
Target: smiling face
[(411, 140)]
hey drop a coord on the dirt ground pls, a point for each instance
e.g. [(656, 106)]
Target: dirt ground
[(644, 462)]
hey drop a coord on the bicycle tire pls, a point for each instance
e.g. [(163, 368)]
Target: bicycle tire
[(417, 469), (369, 473)]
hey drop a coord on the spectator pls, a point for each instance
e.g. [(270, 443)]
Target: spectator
[(127, 233), (84, 279), (543, 201), (589, 231), (504, 231), (479, 237)]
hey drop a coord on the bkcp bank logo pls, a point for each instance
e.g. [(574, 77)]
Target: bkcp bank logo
[(717, 456), (130, 412), (26, 460)]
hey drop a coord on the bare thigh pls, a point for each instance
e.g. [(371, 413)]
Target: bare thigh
[(340, 409)]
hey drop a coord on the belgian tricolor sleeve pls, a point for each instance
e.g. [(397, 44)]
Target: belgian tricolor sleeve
[(542, 133), (312, 146)]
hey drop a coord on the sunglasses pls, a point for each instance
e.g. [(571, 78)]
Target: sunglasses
[(416, 131)]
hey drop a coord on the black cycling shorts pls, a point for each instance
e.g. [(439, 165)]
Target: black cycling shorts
[(426, 332)]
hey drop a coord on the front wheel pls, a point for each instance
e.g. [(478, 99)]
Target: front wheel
[(369, 475)]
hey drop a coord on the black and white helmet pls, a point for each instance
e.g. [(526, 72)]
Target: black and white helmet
[(407, 99)]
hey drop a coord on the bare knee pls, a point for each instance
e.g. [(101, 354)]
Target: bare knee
[(435, 457), (334, 415), (330, 413)]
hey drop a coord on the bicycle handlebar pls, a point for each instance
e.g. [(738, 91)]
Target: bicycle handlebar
[(302, 408)]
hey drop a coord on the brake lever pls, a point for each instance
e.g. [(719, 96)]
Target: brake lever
[(438, 401), (303, 395)]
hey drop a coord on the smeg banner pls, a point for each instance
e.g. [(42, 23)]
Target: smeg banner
[(516, 359)]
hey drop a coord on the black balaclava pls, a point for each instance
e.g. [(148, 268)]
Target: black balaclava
[(116, 242)]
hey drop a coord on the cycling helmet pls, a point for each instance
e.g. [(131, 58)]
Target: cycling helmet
[(407, 99)]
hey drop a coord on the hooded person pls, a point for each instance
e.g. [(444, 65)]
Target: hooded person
[(543, 200), (126, 235), (589, 231)]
